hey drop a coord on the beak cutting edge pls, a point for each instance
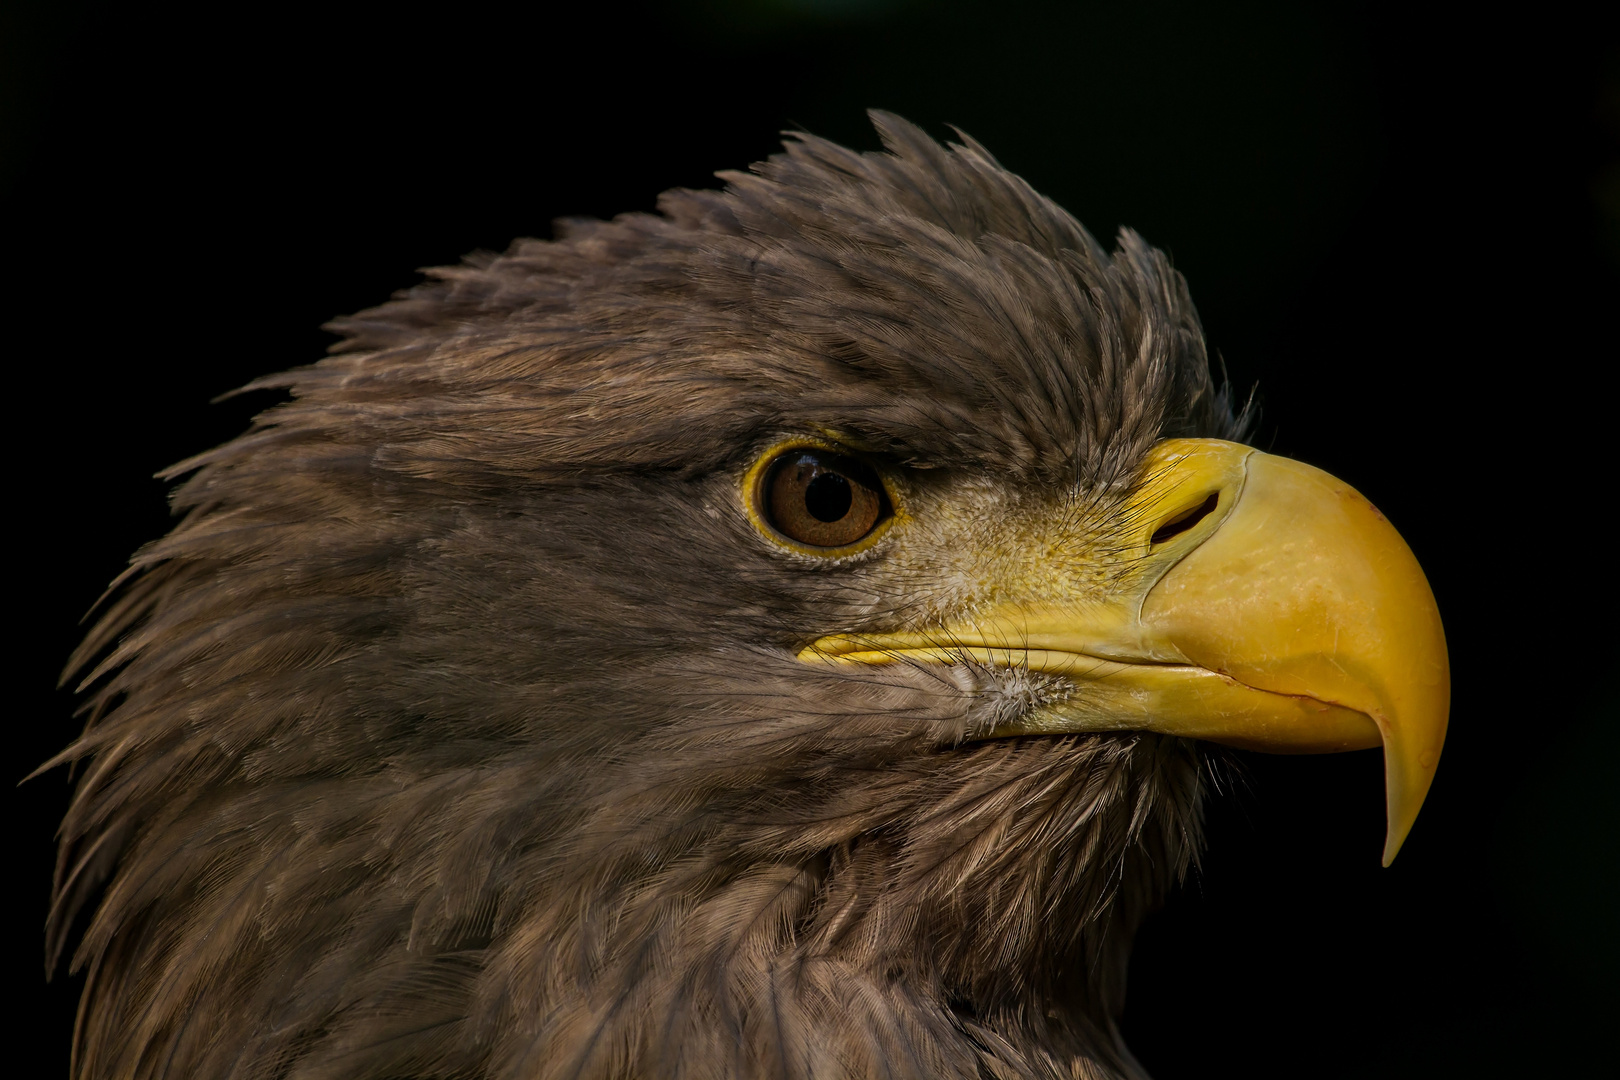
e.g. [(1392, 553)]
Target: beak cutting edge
[(1267, 605)]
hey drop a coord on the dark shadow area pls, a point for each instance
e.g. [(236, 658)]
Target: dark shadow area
[(1403, 229)]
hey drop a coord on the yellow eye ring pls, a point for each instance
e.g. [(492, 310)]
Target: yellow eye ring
[(817, 499)]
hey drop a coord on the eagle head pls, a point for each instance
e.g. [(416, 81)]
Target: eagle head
[(777, 636)]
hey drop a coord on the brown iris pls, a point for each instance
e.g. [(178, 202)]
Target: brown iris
[(822, 499)]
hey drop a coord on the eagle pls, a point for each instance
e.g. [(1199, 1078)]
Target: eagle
[(784, 635)]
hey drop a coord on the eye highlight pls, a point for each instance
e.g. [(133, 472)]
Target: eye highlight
[(820, 499)]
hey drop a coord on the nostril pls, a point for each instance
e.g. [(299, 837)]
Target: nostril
[(1186, 519)]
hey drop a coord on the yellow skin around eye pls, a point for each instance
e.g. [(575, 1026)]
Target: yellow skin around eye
[(756, 499)]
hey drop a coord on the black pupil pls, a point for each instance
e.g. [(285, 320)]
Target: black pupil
[(828, 497)]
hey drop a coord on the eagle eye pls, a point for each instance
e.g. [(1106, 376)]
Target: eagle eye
[(821, 499)]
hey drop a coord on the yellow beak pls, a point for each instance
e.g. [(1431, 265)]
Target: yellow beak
[(1259, 602)]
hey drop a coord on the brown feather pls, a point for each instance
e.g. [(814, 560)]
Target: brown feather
[(455, 729)]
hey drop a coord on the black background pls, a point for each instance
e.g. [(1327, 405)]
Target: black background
[(1403, 226)]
